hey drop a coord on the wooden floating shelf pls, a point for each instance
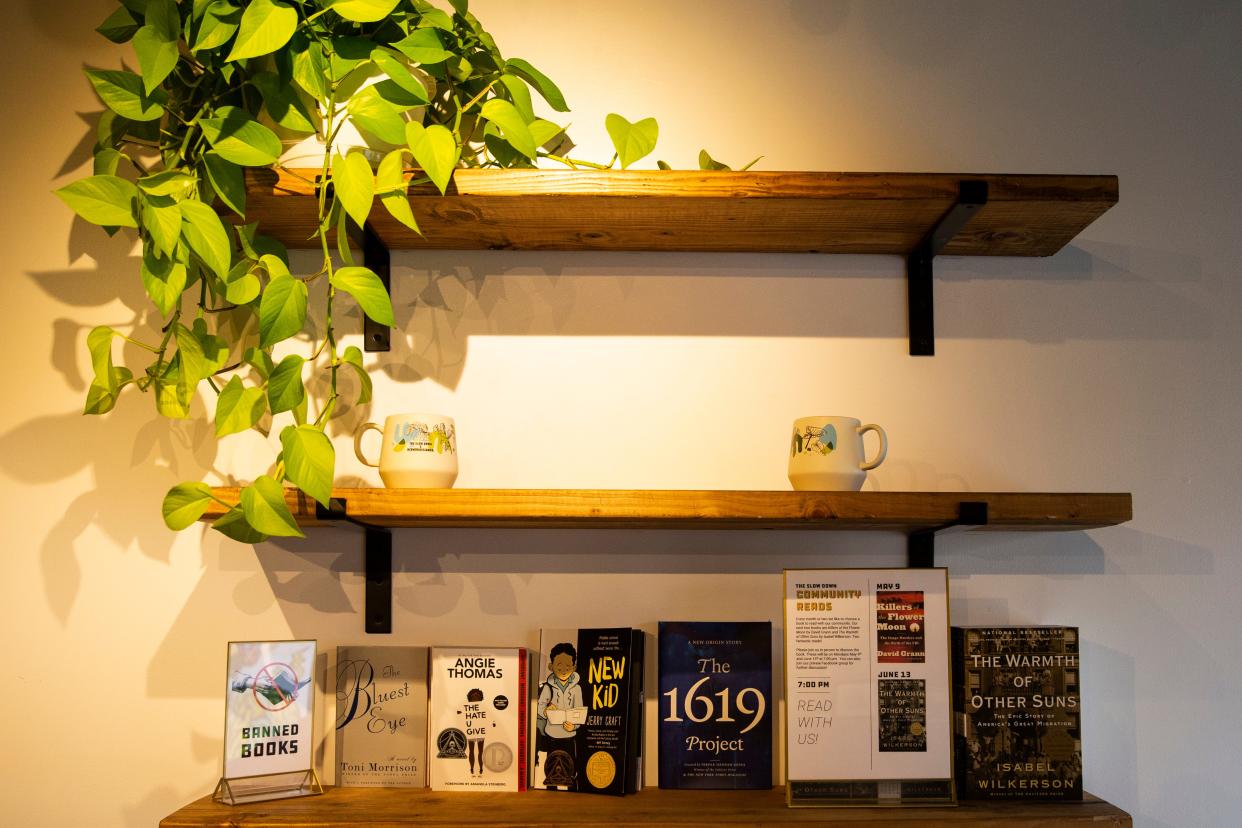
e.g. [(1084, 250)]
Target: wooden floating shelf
[(705, 509), (673, 210), (392, 807)]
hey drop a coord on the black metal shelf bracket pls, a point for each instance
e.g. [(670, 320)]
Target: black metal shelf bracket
[(972, 195), (376, 257), (377, 566), (921, 544)]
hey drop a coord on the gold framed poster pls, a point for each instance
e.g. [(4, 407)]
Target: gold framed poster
[(269, 722), (868, 717)]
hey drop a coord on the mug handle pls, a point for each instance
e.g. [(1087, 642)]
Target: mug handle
[(363, 429), (867, 465)]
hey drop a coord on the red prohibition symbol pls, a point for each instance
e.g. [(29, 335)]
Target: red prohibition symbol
[(267, 675)]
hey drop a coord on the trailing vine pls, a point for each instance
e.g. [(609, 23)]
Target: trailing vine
[(220, 82)]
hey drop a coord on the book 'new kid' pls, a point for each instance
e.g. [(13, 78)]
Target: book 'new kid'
[(587, 722)]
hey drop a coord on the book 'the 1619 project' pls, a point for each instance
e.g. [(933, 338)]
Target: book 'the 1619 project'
[(716, 704)]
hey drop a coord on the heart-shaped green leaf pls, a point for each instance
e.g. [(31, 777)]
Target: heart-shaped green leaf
[(205, 234), (232, 524), (391, 185), (157, 57), (362, 284), (107, 161), (219, 24), (124, 93), (164, 279), (632, 141), (310, 71), (285, 390), (353, 358), (375, 116), (185, 503), (355, 185), (119, 27), (706, 162), (239, 138), (395, 69), (239, 407), (99, 344), (168, 183), (423, 46), (242, 286), (549, 90), (435, 150), (309, 460), (282, 310), (161, 217), (282, 103), (171, 398), (519, 93), (227, 180), (363, 11), (266, 25), (163, 16), (435, 18), (263, 503), (103, 199), (512, 126)]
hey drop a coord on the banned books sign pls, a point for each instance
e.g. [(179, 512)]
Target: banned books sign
[(270, 697), (867, 686)]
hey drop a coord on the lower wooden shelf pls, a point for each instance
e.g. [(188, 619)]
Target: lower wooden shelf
[(393, 807)]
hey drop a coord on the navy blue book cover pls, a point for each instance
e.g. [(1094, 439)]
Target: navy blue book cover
[(716, 709)]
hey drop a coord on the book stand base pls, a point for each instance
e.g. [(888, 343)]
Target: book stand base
[(240, 790)]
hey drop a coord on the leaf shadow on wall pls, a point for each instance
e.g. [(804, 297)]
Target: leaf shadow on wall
[(119, 449)]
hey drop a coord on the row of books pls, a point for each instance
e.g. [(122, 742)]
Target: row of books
[(569, 717)]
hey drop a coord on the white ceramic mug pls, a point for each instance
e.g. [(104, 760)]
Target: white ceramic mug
[(419, 451), (826, 453)]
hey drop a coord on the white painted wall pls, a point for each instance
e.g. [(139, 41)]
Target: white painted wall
[(1111, 366)]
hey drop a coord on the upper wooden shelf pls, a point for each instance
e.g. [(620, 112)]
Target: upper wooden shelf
[(672, 210), (391, 807), (706, 509)]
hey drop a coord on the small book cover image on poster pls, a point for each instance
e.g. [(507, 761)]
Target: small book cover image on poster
[(381, 716), (715, 704), (1018, 709), (903, 715), (477, 719), (586, 734), (899, 624)]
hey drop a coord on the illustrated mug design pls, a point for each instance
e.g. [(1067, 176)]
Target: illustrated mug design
[(826, 453), (419, 451)]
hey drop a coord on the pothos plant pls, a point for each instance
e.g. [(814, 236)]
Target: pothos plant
[(219, 83)]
